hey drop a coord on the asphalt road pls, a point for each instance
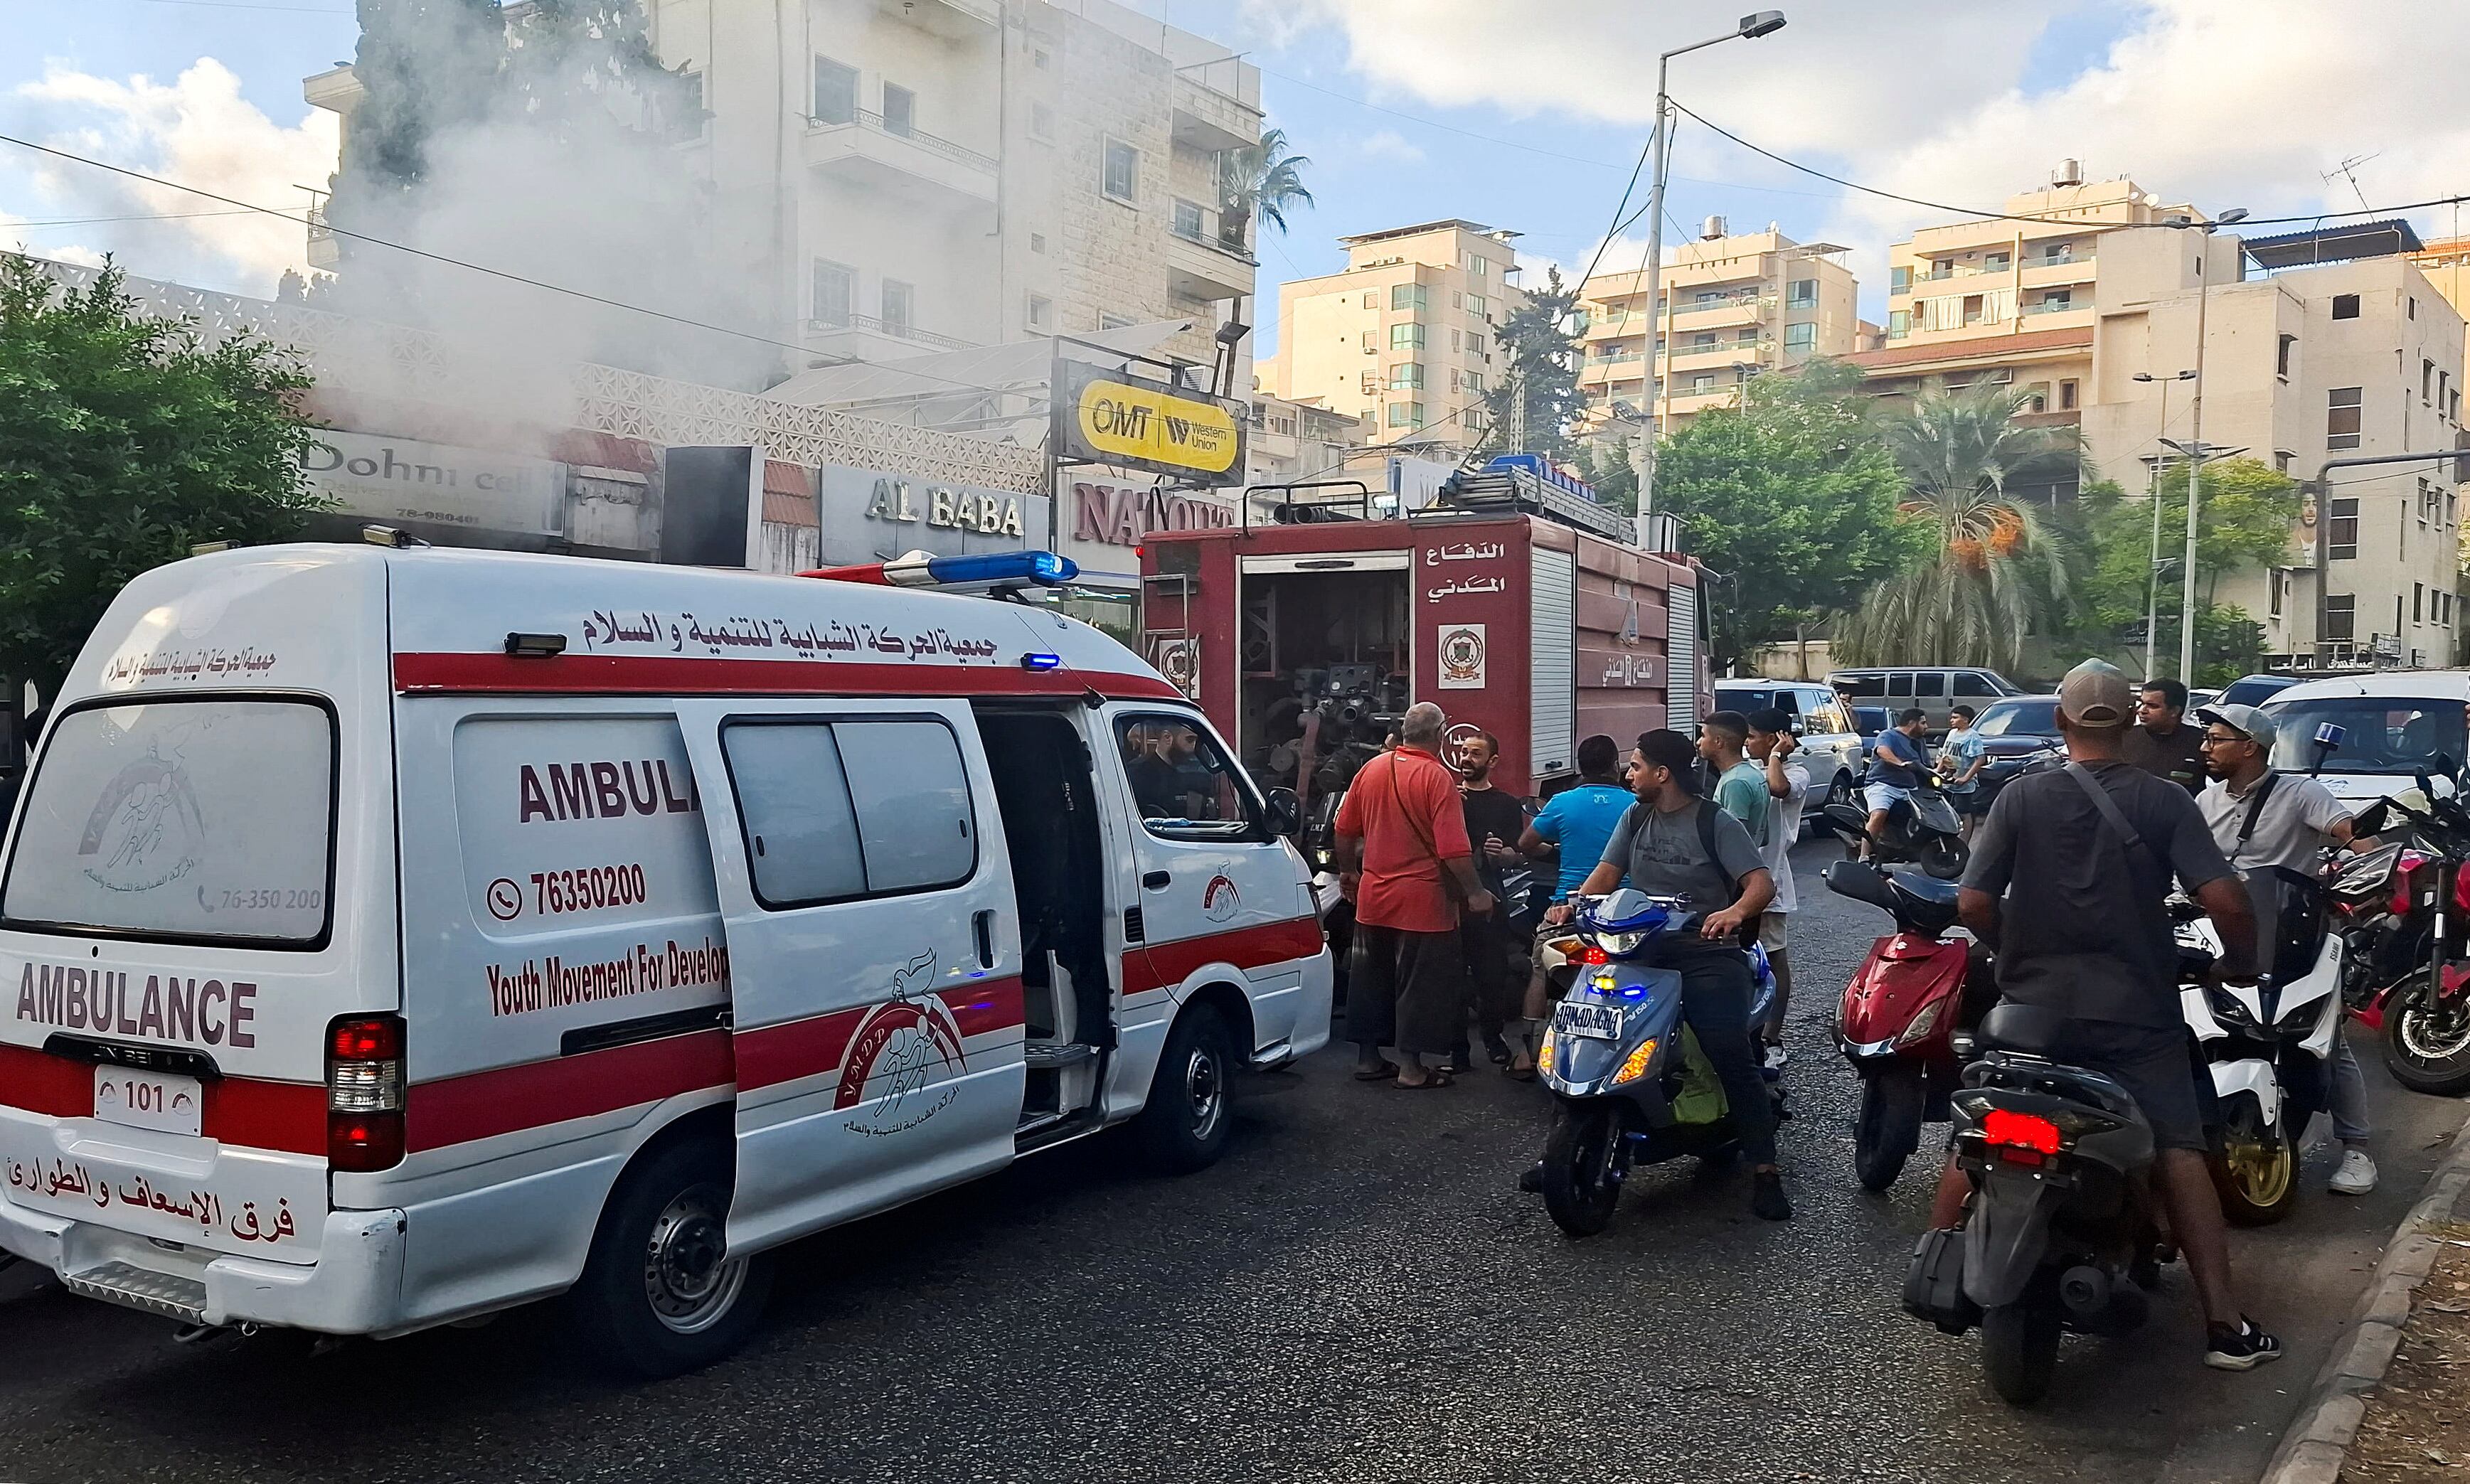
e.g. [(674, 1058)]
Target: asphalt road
[(1357, 1291)]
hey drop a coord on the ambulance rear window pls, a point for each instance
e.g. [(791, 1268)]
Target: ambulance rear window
[(206, 819)]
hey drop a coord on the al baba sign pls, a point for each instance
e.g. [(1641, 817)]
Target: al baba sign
[(1103, 416)]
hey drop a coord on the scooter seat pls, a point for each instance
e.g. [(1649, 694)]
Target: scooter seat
[(1927, 902), (2033, 1030)]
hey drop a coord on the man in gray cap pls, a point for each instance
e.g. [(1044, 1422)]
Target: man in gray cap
[(2084, 931), (2261, 819)]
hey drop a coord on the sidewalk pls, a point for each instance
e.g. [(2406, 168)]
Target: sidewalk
[(2392, 1406)]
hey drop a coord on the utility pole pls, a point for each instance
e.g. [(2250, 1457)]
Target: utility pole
[(2196, 445), (2153, 493)]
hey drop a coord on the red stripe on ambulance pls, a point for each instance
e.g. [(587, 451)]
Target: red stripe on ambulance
[(1159, 965), (630, 675), (245, 1111)]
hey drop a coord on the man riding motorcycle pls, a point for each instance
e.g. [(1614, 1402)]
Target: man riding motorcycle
[(2093, 846), (1672, 842), (2260, 818)]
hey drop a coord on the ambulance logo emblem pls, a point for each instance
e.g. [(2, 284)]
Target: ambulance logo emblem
[(904, 1063), (1220, 901), (146, 829)]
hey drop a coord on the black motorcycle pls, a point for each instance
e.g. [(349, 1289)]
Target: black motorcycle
[(1921, 828)]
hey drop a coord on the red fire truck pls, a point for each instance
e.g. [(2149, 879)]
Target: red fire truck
[(1512, 601)]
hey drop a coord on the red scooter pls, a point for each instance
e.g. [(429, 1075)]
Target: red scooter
[(1900, 1012)]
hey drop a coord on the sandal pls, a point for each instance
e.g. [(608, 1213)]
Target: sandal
[(1378, 1072), (1496, 1050), (1515, 1074), (1434, 1078)]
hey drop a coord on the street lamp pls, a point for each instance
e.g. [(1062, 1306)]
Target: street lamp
[(2153, 493), (1757, 24), (2195, 441)]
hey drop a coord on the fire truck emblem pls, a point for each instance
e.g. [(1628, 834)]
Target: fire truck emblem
[(1461, 654), (903, 1065)]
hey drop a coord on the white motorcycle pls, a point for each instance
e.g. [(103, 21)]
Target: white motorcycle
[(2269, 1045)]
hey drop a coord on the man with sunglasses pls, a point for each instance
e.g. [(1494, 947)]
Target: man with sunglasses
[(2261, 818)]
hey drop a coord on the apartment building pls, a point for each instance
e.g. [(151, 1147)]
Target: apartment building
[(1732, 306), (2311, 360), (1299, 440), (915, 175), (1402, 335), (2010, 299)]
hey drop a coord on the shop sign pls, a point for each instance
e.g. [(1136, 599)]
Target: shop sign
[(439, 484), (865, 514), (1110, 417), (1119, 514)]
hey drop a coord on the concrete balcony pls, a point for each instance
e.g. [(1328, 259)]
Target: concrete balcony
[(2078, 269), (903, 165), (1731, 313), (1201, 267), (323, 251), (1685, 402), (1716, 358), (865, 337), (2072, 417), (1210, 120), (954, 20)]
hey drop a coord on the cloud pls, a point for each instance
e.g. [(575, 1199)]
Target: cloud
[(196, 129), (1389, 145)]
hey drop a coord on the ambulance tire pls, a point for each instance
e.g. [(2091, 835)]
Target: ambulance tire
[(1184, 1127), (655, 1300)]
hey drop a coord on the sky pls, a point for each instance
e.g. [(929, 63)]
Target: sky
[(1521, 114)]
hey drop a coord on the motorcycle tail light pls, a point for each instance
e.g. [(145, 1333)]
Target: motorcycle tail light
[(2024, 1137)]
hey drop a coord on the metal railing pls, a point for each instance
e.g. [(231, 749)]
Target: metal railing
[(897, 331), (1215, 242), (2053, 307), (958, 154)]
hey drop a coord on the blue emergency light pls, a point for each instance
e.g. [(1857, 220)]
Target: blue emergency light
[(994, 568)]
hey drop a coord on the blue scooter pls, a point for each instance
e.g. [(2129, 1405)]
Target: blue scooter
[(1631, 1084)]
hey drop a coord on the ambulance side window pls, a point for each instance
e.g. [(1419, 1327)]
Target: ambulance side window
[(1184, 787), (836, 811)]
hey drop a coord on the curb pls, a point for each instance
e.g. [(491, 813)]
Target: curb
[(2319, 1439)]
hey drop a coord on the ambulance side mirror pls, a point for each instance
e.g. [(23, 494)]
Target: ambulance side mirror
[(1286, 813)]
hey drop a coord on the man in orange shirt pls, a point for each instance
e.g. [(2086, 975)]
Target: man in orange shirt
[(1402, 843)]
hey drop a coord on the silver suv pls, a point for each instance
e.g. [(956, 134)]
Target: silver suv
[(1934, 688), (1830, 748)]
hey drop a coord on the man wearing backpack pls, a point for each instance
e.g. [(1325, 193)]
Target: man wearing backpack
[(2261, 818), (1672, 842), (2066, 887)]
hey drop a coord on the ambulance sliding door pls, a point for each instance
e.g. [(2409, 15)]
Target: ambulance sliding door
[(874, 949)]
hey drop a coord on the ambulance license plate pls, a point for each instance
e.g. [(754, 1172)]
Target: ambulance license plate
[(147, 1099), (1595, 1021)]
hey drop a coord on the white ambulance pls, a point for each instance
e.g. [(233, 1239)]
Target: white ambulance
[(391, 937)]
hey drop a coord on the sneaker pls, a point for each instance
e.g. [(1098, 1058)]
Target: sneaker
[(2357, 1175), (1777, 1055), (1767, 1199), (2242, 1349)]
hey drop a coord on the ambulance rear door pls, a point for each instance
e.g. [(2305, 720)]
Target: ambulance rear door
[(873, 953)]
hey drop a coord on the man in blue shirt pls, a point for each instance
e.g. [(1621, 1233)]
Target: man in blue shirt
[(1895, 764), (1576, 823)]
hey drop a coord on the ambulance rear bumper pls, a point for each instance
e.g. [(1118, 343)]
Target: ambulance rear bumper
[(354, 1288)]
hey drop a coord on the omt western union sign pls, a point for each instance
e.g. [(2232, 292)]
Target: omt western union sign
[(1106, 417)]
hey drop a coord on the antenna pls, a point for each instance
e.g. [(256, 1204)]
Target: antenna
[(2348, 170)]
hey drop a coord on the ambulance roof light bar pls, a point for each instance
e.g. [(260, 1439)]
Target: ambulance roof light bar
[(989, 572)]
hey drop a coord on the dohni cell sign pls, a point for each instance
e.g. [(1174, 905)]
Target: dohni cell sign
[(436, 483)]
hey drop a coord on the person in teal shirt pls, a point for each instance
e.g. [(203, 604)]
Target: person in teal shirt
[(1577, 824), (1960, 764), (1740, 784)]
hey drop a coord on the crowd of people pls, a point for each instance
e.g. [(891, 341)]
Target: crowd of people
[(2068, 871)]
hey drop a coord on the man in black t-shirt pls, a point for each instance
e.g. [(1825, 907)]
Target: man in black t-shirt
[(1495, 821), (2074, 914), (2161, 743)]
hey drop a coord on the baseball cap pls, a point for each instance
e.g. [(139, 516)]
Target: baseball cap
[(2095, 695), (2248, 721)]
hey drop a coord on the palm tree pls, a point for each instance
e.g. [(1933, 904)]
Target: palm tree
[(1994, 573), (1260, 180)]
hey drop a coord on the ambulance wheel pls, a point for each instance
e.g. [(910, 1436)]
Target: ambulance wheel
[(1184, 1127), (658, 1295)]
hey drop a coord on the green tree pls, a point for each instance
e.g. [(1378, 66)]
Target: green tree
[(2246, 521), (124, 442), (561, 52), (1993, 572), (1539, 369), (1791, 499), (1260, 181), (424, 66)]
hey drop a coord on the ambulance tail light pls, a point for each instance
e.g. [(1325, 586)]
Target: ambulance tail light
[(364, 1093)]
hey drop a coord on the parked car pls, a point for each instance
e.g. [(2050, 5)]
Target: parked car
[(2014, 732), (1932, 689), (2394, 728), (2198, 698), (2254, 689), (1831, 748)]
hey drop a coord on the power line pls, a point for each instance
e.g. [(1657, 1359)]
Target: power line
[(245, 5), (150, 216), (2010, 216)]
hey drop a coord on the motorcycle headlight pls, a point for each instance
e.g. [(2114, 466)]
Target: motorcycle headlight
[(2228, 1010), (1922, 1023), (1636, 1066), (2300, 1017), (1621, 945)]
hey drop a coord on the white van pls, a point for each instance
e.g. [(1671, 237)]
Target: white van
[(392, 936)]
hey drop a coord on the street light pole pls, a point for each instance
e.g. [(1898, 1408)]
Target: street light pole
[(2196, 446), (2153, 493), (1758, 24)]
